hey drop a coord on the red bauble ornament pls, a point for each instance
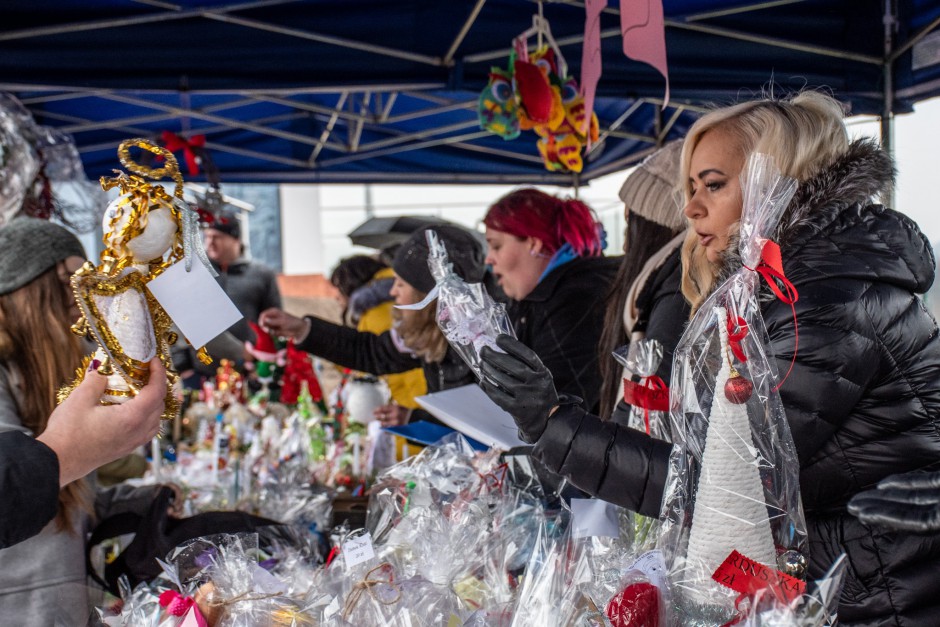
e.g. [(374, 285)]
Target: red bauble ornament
[(738, 389), (637, 605)]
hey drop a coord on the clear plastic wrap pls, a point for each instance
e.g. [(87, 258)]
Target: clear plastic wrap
[(817, 608), (467, 314), (648, 396), (732, 498)]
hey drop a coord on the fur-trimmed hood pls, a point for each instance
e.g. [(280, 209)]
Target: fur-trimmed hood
[(832, 229)]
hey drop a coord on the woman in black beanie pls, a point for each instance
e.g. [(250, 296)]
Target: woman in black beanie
[(416, 341)]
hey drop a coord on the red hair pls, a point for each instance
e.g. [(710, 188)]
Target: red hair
[(555, 221)]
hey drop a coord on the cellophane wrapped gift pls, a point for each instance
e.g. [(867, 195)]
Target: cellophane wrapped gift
[(467, 315), (648, 397), (645, 392), (250, 579), (575, 565), (167, 601), (818, 607), (733, 520)]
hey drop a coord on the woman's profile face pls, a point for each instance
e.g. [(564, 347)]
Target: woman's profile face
[(517, 263), (403, 292), (715, 188)]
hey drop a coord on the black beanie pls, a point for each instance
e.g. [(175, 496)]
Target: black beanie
[(29, 247), (464, 251), (227, 223)]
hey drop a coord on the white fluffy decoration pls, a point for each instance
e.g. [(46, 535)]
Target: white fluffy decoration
[(156, 239), (362, 398), (730, 508)]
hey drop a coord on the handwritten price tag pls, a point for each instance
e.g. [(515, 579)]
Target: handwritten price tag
[(358, 550), (746, 576)]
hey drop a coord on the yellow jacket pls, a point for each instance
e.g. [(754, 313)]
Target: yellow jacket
[(405, 386)]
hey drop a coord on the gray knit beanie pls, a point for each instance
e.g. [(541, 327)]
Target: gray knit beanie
[(651, 191), (30, 247)]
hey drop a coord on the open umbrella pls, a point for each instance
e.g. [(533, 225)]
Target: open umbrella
[(381, 233)]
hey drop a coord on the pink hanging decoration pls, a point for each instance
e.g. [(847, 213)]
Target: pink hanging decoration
[(644, 35), (591, 60)]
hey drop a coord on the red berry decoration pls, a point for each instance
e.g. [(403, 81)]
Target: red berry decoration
[(738, 389), (637, 605)]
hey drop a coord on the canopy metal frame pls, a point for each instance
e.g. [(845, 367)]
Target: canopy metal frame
[(374, 109)]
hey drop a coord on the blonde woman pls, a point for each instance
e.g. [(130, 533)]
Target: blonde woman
[(863, 398)]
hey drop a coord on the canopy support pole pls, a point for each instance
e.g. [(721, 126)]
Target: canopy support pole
[(887, 110)]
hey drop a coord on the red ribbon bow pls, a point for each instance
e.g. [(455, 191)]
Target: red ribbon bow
[(175, 603), (771, 268), (652, 395), (174, 142)]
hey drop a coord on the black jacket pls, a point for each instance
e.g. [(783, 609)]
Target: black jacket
[(29, 483), (862, 401), (561, 320), (663, 315), (377, 354)]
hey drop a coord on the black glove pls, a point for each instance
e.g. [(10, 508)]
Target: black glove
[(908, 502), (519, 382)]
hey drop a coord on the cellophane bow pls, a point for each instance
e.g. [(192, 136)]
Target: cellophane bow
[(733, 520)]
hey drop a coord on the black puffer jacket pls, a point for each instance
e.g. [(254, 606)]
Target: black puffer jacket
[(862, 401), (378, 355), (561, 320)]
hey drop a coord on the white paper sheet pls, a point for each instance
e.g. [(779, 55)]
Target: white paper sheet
[(469, 410), (195, 301), (594, 518)]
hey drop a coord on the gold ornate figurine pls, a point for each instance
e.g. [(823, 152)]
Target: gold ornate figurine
[(145, 232)]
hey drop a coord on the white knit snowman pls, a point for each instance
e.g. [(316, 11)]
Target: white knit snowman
[(730, 509)]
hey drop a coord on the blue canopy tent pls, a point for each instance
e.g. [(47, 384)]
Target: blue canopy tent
[(373, 91)]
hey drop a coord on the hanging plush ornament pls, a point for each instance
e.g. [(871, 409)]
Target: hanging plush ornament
[(145, 232), (497, 107)]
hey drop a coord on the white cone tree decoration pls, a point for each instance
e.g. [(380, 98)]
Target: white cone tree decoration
[(730, 511)]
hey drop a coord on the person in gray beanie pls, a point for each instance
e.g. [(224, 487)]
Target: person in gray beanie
[(44, 577), (415, 341), (29, 247)]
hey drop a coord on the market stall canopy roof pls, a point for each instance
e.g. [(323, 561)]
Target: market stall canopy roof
[(340, 91)]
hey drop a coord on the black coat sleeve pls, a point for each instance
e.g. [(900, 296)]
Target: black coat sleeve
[(607, 460), (367, 352), (29, 481)]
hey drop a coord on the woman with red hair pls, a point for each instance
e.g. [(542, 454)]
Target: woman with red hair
[(546, 253)]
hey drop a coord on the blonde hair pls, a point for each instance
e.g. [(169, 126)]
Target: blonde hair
[(805, 134), (36, 343), (419, 331)]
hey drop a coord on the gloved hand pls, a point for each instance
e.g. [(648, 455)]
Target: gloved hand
[(519, 382), (907, 502)]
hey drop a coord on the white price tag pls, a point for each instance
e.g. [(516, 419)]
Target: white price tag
[(653, 566), (195, 301), (358, 550), (594, 517)]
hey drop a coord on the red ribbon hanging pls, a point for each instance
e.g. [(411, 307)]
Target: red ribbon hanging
[(737, 331), (174, 142), (653, 395), (771, 268)]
